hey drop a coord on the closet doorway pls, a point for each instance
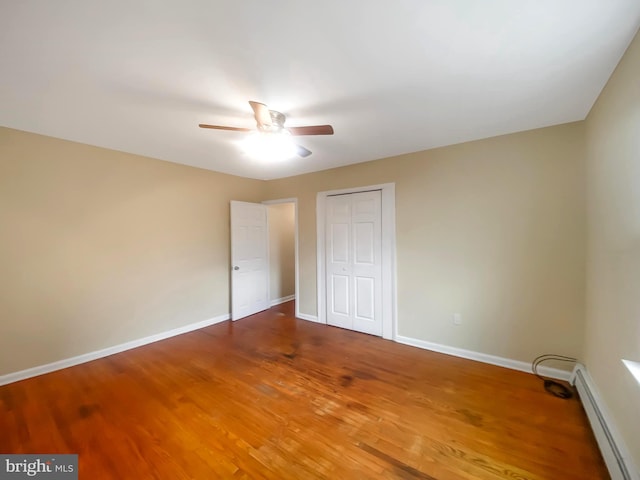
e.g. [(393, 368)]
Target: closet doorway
[(356, 259)]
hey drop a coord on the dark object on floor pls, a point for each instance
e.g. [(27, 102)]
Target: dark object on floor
[(556, 389)]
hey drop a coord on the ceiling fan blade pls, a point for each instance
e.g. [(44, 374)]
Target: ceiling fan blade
[(303, 152), (311, 130), (261, 112), (220, 127)]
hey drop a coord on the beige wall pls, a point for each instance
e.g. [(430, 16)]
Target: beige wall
[(99, 247), (613, 261), (282, 250), (492, 229), (102, 247)]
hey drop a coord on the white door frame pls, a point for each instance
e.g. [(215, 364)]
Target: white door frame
[(389, 283), (295, 208)]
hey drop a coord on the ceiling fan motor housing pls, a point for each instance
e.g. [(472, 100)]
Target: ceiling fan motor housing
[(277, 122)]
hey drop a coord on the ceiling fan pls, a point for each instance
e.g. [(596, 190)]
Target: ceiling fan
[(271, 122)]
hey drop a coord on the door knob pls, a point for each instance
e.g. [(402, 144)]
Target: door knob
[(236, 267)]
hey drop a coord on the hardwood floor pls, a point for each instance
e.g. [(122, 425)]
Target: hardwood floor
[(278, 398)]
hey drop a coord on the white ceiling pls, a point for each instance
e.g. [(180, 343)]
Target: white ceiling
[(391, 76)]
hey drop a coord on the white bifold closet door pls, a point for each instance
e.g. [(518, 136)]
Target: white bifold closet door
[(354, 261)]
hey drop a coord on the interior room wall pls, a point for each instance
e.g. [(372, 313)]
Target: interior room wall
[(492, 229), (282, 250), (99, 247), (613, 259)]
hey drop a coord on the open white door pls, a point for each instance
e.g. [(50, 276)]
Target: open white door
[(249, 259)]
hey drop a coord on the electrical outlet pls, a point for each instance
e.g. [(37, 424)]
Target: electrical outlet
[(457, 319)]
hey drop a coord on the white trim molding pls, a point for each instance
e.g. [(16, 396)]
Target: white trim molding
[(281, 300), (309, 318), (634, 368), (612, 446), (484, 357), (389, 271), (88, 357)]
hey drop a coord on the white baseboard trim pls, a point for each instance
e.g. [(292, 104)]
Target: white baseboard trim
[(612, 446), (483, 357), (87, 357), (309, 318), (280, 300)]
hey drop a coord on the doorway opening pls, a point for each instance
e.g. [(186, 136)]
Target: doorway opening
[(282, 223)]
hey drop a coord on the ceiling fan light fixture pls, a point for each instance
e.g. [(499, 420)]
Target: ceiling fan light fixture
[(269, 147), (271, 141)]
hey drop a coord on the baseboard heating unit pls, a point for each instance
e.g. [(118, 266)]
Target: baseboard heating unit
[(612, 447)]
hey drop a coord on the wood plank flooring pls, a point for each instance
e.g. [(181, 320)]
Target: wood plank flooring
[(272, 397)]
